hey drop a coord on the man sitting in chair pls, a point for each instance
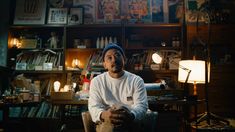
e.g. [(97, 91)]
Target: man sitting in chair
[(117, 98)]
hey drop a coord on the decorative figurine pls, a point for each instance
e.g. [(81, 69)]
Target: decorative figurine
[(53, 40)]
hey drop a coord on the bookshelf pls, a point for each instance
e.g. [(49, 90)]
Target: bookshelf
[(80, 42), (87, 52)]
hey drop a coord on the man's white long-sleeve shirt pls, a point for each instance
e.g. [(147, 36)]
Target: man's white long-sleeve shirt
[(127, 90)]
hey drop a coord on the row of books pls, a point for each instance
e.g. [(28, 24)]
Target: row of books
[(39, 57), (144, 57), (45, 110), (95, 62)]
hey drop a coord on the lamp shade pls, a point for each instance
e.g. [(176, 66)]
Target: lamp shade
[(197, 68)]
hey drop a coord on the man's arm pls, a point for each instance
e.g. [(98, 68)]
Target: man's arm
[(140, 106), (95, 105)]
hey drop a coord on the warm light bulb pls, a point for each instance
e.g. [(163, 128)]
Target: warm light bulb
[(156, 58), (14, 42), (75, 63), (56, 86), (66, 88), (74, 85)]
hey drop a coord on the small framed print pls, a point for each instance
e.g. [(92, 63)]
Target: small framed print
[(75, 16), (57, 16)]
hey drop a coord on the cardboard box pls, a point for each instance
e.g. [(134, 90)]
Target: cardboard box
[(62, 95)]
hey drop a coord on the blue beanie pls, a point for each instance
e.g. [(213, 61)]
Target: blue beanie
[(112, 46)]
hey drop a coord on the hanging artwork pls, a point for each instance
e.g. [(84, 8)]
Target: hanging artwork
[(30, 12), (75, 16), (57, 16), (160, 11), (137, 10), (107, 11), (89, 9), (175, 10)]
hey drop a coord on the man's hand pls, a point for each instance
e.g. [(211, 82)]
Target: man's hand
[(117, 116)]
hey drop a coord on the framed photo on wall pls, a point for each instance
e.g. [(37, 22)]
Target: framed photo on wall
[(75, 16), (57, 16), (30, 12), (108, 11), (137, 11), (89, 9)]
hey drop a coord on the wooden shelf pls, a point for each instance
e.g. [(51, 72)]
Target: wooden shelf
[(39, 71)]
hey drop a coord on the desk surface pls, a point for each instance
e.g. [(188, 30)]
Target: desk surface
[(69, 102), (153, 100), (85, 102)]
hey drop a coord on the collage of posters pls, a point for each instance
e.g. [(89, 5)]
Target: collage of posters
[(97, 11)]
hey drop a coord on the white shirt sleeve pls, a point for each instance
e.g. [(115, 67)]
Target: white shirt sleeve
[(95, 104), (140, 105)]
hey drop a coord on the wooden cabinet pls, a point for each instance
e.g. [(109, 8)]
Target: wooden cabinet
[(221, 51)]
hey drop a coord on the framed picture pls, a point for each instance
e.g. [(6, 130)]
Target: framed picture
[(57, 16), (89, 9), (175, 10), (56, 3), (137, 11), (30, 12), (160, 11), (108, 11), (75, 16)]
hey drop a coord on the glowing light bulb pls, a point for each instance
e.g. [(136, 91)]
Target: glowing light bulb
[(56, 86), (66, 88), (156, 58)]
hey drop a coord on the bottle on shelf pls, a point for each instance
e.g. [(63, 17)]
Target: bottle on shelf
[(98, 43), (102, 43)]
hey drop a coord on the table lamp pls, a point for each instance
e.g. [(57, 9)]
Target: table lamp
[(197, 74), (190, 71)]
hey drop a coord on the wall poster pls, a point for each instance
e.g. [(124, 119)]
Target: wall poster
[(30, 12), (108, 11), (89, 9), (137, 10)]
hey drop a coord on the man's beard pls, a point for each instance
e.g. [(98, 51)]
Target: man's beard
[(117, 68)]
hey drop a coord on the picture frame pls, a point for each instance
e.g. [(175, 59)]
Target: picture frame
[(160, 12), (57, 16), (108, 11), (30, 12), (175, 8), (89, 10), (137, 11), (75, 16)]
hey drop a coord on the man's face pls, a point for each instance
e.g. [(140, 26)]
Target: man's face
[(113, 61)]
